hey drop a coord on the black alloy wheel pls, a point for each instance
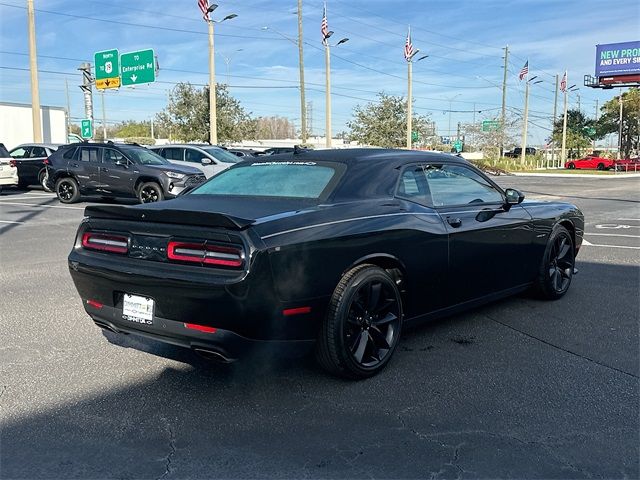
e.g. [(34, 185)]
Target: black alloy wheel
[(558, 265), (150, 192), (601, 166), (363, 324), (572, 166), (67, 190)]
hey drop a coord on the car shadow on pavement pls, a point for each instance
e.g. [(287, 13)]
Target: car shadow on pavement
[(4, 228), (520, 388)]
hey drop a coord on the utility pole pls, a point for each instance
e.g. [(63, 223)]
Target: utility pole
[(504, 99), (594, 140), (620, 129), (327, 60), (563, 154), (33, 66), (310, 117), (409, 106), (303, 104), (523, 154), (104, 120), (553, 123), (66, 87), (87, 90), (213, 122), (152, 135)]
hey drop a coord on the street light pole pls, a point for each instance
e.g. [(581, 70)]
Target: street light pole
[(213, 126), (563, 153), (33, 66), (409, 101), (620, 129), (327, 61), (553, 124), (303, 103), (524, 127)]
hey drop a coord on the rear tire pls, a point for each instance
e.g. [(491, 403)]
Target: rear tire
[(67, 190), (42, 180), (150, 192), (572, 166), (556, 268), (601, 166), (363, 324)]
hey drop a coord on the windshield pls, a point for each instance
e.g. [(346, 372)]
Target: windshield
[(143, 156), (222, 155), (3, 151), (309, 180)]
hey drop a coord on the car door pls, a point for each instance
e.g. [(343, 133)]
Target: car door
[(85, 167), (174, 154), (193, 157), (21, 156), (116, 173), (489, 242), (35, 164)]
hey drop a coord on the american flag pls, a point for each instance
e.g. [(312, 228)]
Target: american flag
[(563, 82), (324, 25), (204, 7), (408, 47), (524, 71)]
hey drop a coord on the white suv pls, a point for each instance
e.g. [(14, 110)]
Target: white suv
[(8, 168), (208, 158)]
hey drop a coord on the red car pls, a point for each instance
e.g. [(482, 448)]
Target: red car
[(590, 162), (628, 165)]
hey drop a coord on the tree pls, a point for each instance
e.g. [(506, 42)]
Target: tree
[(578, 132), (131, 128), (274, 127), (384, 123), (609, 122), (187, 115)]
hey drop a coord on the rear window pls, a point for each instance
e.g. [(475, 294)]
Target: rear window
[(307, 180)]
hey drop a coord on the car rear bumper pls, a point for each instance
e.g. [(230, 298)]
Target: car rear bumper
[(8, 175), (218, 344)]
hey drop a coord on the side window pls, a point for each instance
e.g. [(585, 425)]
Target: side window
[(174, 154), (413, 185), (38, 152), (112, 156), (458, 185), (20, 153), (89, 154), (69, 153), (193, 155)]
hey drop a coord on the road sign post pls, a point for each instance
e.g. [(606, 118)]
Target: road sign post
[(138, 67), (86, 129), (107, 68)]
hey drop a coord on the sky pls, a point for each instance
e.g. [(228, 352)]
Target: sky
[(460, 80)]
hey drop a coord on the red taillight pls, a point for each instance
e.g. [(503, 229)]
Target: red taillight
[(203, 253), (13, 163), (95, 304), (46, 161), (105, 242), (200, 328), (296, 311)]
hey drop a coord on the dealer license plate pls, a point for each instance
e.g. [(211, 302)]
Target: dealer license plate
[(138, 309)]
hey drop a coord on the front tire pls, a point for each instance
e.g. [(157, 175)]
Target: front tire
[(558, 262), (67, 190), (363, 324), (572, 166), (601, 166), (150, 192)]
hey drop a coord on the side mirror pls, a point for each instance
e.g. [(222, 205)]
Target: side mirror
[(206, 161), (513, 196)]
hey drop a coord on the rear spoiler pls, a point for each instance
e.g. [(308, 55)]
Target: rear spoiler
[(168, 215)]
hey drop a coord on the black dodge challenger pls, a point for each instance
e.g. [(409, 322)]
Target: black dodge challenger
[(336, 250)]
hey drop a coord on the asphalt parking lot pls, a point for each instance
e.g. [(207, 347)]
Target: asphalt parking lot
[(520, 388)]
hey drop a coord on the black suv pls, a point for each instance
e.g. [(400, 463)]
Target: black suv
[(116, 170)]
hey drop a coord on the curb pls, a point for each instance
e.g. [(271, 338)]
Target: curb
[(577, 175)]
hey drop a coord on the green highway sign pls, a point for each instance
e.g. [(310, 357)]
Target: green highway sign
[(107, 65), (457, 145), (415, 136), (138, 67), (86, 129), (490, 125)]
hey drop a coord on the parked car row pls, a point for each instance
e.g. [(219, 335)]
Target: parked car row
[(600, 163)]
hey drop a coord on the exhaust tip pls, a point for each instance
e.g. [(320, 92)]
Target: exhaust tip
[(213, 355), (104, 326)]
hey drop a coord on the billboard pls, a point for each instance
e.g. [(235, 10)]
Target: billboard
[(616, 59)]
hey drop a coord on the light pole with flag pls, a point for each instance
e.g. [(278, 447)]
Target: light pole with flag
[(206, 9), (563, 89), (409, 53), (326, 34)]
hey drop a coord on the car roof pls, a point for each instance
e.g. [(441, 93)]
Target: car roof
[(193, 145), (50, 145), (370, 155)]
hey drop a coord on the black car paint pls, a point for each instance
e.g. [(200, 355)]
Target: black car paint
[(113, 179), (296, 253), (30, 168)]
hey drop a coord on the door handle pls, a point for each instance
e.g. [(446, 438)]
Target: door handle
[(454, 222), (75, 165)]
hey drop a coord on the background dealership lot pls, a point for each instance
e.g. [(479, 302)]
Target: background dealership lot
[(520, 388)]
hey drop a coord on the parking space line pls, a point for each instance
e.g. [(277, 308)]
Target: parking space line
[(9, 221), (41, 206), (587, 244), (612, 235), (630, 219), (27, 196)]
